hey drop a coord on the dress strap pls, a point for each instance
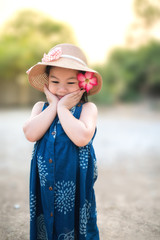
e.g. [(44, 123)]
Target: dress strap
[(78, 110), (46, 104)]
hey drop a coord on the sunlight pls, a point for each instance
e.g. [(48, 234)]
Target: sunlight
[(98, 26)]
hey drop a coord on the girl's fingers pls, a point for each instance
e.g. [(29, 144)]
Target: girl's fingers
[(77, 93), (50, 97), (45, 89), (72, 99), (78, 96)]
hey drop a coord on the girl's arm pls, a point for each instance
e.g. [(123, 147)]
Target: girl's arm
[(39, 122), (80, 131)]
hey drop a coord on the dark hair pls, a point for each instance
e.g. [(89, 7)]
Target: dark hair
[(84, 98)]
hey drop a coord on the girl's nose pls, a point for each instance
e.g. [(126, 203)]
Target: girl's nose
[(62, 89)]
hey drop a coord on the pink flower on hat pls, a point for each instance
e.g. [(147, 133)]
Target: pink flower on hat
[(87, 80), (53, 55)]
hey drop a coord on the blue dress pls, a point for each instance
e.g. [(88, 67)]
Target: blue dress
[(62, 176)]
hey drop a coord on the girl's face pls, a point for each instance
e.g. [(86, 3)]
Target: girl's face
[(62, 81)]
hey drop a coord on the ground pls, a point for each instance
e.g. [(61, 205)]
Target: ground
[(127, 189)]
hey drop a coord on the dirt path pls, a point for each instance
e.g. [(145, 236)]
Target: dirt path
[(127, 190), (127, 202)]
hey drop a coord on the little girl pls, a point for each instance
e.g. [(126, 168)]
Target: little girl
[(63, 166)]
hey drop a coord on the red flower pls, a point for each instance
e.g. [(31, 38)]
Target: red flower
[(87, 80)]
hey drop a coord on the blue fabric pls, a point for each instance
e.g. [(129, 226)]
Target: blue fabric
[(62, 198)]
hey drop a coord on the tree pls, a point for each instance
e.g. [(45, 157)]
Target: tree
[(134, 71), (23, 41), (148, 11), (25, 38), (131, 74), (146, 24)]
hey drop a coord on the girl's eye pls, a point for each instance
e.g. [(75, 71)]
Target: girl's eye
[(71, 82), (55, 81)]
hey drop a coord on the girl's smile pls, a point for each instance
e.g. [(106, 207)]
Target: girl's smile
[(62, 81), (59, 97)]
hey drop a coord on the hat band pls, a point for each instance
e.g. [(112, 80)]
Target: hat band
[(75, 58)]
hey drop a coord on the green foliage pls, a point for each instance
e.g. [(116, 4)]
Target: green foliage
[(25, 38), (130, 74), (127, 74), (147, 10)]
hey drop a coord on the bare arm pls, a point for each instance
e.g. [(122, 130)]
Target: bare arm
[(39, 122), (80, 131)]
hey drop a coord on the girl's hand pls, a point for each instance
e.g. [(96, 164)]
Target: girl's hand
[(51, 98), (71, 99)]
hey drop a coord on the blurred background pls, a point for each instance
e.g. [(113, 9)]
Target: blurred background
[(122, 42)]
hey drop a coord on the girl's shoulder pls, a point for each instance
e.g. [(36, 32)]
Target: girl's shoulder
[(39, 105), (37, 108), (90, 105), (89, 108)]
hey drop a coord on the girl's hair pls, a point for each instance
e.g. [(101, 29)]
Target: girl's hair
[(84, 98)]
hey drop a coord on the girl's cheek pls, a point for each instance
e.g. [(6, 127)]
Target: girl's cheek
[(76, 86), (51, 89)]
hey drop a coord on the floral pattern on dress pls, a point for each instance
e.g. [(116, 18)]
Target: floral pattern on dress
[(95, 170), (83, 156), (32, 206), (84, 217), (34, 149), (42, 169), (41, 228), (66, 236), (72, 110), (64, 196)]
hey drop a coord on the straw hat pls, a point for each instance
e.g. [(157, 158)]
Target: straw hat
[(65, 56)]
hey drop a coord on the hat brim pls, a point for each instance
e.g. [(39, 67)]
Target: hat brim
[(38, 76)]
